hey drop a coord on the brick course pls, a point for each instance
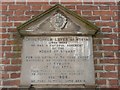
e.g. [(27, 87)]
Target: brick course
[(106, 44)]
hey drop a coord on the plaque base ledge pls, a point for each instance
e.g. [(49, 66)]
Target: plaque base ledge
[(63, 86)]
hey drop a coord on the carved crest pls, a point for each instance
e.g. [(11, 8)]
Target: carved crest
[(58, 21)]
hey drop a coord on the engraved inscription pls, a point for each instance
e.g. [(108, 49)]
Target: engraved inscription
[(57, 60)]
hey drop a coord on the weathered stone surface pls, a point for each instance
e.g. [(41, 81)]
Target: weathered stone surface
[(57, 60), (57, 50)]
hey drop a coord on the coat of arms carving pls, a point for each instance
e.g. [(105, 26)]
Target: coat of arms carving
[(58, 21)]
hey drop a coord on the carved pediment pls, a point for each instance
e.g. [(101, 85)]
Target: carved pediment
[(56, 21)]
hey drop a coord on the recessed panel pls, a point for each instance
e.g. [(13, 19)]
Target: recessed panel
[(55, 60)]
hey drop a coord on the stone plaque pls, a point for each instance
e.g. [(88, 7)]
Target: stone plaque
[(57, 60), (57, 49)]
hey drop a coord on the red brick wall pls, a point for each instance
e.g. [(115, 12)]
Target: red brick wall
[(106, 44)]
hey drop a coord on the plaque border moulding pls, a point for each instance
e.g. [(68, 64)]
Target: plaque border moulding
[(89, 28), (56, 13)]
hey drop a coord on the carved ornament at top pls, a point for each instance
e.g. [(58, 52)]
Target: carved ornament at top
[(58, 21)]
